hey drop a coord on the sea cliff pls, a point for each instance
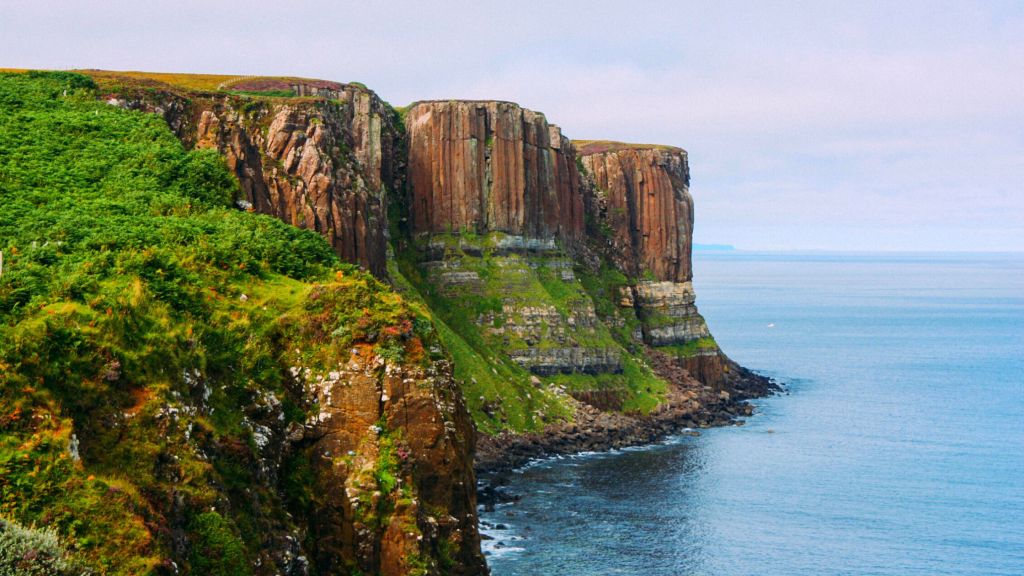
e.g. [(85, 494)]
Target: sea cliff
[(517, 294)]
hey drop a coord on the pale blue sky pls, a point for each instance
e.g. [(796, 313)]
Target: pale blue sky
[(810, 125)]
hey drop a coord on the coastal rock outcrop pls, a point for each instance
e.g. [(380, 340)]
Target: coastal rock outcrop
[(392, 445), (495, 200), (194, 389), (223, 396), (668, 312), (642, 198), (498, 201), (641, 204), (483, 166), (325, 160)]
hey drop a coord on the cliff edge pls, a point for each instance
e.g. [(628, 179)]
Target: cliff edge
[(316, 154), (270, 325), (188, 387)]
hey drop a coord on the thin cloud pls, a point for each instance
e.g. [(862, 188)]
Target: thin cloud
[(809, 124)]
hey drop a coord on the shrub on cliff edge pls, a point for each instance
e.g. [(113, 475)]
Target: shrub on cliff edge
[(34, 552)]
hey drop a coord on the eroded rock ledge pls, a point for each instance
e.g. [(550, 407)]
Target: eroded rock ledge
[(690, 405)]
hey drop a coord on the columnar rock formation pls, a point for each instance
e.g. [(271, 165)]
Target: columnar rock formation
[(642, 194), (506, 181), (491, 166), (323, 163), (642, 204), (347, 440), (327, 161)]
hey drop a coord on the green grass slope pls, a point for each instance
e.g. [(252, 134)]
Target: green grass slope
[(145, 329), (471, 319)]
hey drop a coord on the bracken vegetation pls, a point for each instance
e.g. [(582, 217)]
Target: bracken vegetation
[(146, 332)]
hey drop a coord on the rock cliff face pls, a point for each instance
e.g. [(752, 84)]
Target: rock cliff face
[(491, 166), (641, 203), (551, 271), (642, 197), (393, 450), (223, 395), (325, 162), (495, 195), (507, 182), (668, 312)]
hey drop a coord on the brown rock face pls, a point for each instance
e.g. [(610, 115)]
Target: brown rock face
[(491, 166), (410, 422), (643, 202), (644, 213), (324, 163)]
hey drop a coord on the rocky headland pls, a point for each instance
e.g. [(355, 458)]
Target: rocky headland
[(519, 294), (689, 406)]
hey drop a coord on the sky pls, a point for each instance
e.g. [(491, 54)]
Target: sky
[(809, 125)]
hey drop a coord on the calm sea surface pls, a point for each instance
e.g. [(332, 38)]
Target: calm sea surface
[(899, 451)]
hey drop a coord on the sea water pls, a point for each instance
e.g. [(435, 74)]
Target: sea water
[(899, 449)]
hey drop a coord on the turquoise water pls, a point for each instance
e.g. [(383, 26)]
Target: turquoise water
[(899, 451)]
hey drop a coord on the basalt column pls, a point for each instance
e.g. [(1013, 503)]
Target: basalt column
[(491, 167), (642, 207), (496, 209)]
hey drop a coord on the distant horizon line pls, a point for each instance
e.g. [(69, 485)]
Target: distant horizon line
[(720, 248)]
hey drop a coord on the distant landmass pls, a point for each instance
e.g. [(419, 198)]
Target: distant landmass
[(714, 247)]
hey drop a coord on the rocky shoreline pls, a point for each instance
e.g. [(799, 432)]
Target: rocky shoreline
[(690, 405)]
